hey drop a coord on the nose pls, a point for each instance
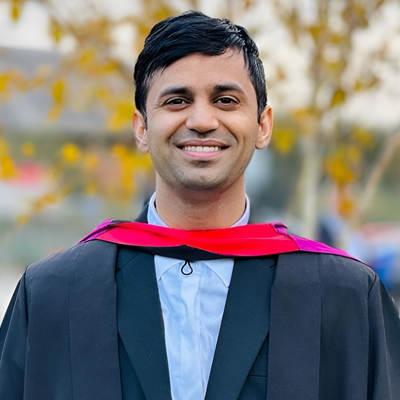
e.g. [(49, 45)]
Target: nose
[(202, 118)]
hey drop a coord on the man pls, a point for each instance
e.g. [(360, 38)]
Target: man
[(190, 303)]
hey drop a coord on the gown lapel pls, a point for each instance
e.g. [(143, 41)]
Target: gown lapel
[(244, 327), (295, 337), (140, 323), (92, 322)]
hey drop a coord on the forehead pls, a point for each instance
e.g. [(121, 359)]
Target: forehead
[(203, 72)]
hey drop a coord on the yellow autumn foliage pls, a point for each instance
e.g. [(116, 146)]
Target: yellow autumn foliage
[(23, 219), (58, 91), (121, 114), (15, 9), (364, 138), (130, 162), (342, 165), (58, 94), (316, 30), (71, 153), (4, 79), (7, 168), (11, 79), (338, 97), (55, 112), (91, 189), (91, 77), (90, 161), (284, 141), (28, 149), (87, 58), (346, 203), (55, 30)]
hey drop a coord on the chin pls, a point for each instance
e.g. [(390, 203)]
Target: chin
[(199, 181), (204, 185)]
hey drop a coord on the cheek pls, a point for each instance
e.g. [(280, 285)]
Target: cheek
[(158, 147), (152, 145), (160, 131)]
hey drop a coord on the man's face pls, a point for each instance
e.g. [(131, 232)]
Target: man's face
[(202, 125)]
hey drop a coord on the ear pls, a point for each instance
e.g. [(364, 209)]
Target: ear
[(265, 128), (140, 131)]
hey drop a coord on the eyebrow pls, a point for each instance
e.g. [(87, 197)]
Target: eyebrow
[(175, 90), (228, 87), (183, 90)]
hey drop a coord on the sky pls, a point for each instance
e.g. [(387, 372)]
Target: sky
[(30, 31)]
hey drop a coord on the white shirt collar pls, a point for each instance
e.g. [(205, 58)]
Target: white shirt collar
[(163, 264), (222, 267)]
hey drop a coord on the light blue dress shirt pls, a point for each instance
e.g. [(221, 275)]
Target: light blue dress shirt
[(192, 307)]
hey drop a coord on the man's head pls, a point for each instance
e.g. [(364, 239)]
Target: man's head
[(201, 109), (189, 33)]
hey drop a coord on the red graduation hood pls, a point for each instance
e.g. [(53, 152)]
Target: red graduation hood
[(242, 241)]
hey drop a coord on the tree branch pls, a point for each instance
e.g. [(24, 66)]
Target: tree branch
[(383, 161)]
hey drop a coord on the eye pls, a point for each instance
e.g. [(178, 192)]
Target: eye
[(226, 100), (176, 102)]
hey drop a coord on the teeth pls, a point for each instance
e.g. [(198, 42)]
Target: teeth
[(204, 149)]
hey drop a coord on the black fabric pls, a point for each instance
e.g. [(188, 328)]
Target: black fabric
[(333, 331), (244, 327), (61, 340), (297, 329), (244, 332), (183, 252), (140, 323), (131, 387)]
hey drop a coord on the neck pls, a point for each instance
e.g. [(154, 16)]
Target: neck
[(200, 209)]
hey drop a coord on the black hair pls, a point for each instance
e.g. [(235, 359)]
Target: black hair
[(194, 32)]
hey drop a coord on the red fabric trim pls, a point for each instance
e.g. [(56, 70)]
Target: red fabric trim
[(249, 240)]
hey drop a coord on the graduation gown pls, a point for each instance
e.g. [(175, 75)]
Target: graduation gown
[(87, 324)]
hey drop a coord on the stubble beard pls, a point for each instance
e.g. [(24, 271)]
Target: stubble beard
[(202, 180)]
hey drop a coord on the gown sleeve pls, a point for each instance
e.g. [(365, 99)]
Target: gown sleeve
[(384, 345), (13, 345)]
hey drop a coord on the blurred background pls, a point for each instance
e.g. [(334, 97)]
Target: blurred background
[(67, 155)]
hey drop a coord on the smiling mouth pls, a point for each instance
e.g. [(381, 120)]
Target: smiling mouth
[(202, 149)]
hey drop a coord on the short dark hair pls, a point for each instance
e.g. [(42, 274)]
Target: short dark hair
[(194, 32)]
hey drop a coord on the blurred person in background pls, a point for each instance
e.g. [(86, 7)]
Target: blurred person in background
[(190, 301)]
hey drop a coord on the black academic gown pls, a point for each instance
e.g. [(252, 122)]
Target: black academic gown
[(87, 324)]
